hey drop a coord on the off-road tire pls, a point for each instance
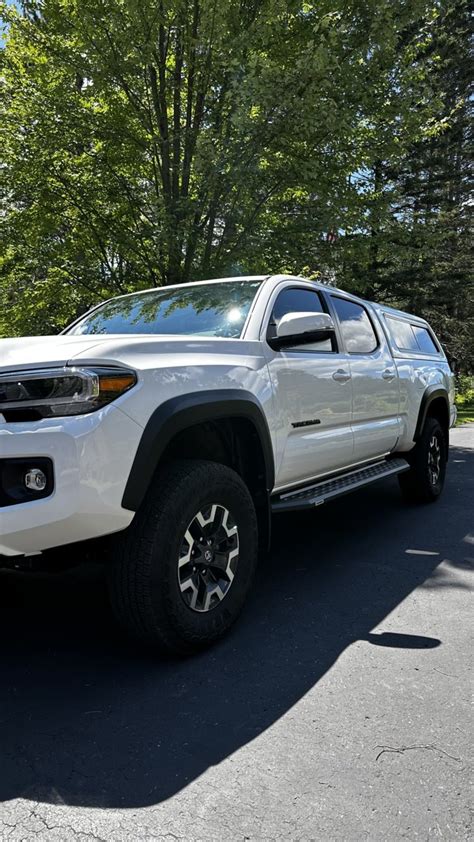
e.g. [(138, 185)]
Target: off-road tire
[(143, 576), (417, 484)]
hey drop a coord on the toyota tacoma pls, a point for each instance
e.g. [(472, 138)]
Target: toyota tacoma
[(177, 421)]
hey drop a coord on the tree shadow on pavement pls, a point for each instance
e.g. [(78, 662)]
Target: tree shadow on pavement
[(85, 719)]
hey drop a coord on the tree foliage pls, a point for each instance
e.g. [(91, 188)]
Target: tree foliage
[(416, 250), (148, 142)]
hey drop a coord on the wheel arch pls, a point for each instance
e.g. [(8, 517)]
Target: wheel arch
[(434, 404), (223, 425)]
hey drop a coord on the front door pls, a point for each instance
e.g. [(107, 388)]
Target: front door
[(313, 397)]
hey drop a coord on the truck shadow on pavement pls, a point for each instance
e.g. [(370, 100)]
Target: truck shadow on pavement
[(86, 720)]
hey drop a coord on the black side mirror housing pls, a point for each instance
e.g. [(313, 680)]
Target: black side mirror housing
[(278, 342)]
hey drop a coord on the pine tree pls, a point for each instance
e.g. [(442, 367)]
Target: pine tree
[(417, 251)]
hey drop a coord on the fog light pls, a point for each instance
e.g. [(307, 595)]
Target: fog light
[(35, 479)]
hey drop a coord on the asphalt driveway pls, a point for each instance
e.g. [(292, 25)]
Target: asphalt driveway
[(338, 709)]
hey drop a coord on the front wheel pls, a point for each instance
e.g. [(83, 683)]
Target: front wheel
[(424, 482), (183, 572)]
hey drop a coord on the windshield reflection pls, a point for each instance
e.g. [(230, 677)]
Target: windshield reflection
[(217, 309)]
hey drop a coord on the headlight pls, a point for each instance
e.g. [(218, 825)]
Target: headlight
[(62, 391)]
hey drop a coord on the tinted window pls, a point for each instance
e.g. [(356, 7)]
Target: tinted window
[(409, 337), (197, 309), (294, 300), (359, 335), (403, 334), (425, 342)]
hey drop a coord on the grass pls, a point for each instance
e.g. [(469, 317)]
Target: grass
[(465, 400), (465, 414)]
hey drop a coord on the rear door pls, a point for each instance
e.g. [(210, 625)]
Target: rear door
[(375, 387)]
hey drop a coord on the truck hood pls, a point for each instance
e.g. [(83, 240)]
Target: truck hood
[(46, 351), (37, 351)]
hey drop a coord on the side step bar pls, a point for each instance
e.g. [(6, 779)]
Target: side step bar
[(318, 493)]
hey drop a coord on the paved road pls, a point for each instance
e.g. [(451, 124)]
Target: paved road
[(337, 709)]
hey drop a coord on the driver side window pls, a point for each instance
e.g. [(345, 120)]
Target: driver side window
[(298, 300)]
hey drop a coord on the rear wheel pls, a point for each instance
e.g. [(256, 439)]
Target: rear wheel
[(424, 482), (184, 570)]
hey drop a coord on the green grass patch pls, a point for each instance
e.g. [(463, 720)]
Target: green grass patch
[(465, 415), (464, 400)]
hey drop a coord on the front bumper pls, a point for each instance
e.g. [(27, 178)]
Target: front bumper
[(92, 456)]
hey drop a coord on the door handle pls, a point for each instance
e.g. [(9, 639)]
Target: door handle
[(341, 376), (388, 374)]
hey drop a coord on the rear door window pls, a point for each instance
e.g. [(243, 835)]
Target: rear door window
[(357, 330)]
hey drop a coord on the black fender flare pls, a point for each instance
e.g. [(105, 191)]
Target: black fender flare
[(183, 411), (431, 394)]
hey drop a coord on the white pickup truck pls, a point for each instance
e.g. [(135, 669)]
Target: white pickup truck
[(177, 420)]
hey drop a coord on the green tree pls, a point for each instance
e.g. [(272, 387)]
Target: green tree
[(147, 142), (416, 250)]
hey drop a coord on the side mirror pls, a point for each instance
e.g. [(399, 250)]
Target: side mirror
[(302, 328)]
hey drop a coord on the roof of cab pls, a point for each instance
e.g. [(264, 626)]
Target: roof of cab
[(391, 311), (329, 288), (277, 276)]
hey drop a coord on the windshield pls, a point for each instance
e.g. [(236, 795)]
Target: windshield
[(217, 309)]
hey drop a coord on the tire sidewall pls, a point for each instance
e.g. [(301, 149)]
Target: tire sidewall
[(431, 428), (226, 489)]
